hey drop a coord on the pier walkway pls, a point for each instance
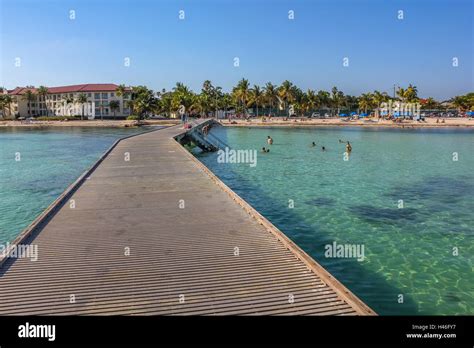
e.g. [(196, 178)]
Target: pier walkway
[(150, 231)]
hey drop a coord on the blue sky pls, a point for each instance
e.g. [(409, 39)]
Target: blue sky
[(309, 50)]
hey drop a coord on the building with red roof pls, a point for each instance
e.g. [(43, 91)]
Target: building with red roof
[(64, 101)]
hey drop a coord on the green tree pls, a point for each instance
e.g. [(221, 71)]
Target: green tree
[(337, 99), (271, 95), (256, 98), (430, 104), (312, 100), (82, 99), (30, 97), (366, 102), (5, 103), (114, 106), (68, 100), (286, 93), (241, 94), (43, 93)]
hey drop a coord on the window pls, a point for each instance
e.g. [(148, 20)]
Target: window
[(96, 95), (112, 94), (89, 95), (97, 111), (105, 95)]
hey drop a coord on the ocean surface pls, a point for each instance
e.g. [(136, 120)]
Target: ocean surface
[(405, 195), (37, 165)]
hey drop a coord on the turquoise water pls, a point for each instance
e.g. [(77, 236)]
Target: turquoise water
[(408, 251), (50, 160)]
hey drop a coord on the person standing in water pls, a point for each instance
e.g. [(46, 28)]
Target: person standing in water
[(269, 140)]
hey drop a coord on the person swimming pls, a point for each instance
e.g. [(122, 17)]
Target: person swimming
[(264, 150), (313, 144), (269, 140), (348, 147), (323, 148)]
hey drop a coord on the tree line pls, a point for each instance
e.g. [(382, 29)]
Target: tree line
[(286, 99)]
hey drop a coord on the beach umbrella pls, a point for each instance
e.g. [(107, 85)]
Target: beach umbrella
[(353, 113), (364, 115), (342, 115), (470, 113)]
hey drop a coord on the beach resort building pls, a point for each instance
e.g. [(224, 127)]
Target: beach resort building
[(99, 100)]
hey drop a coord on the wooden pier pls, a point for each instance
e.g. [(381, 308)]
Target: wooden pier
[(149, 230)]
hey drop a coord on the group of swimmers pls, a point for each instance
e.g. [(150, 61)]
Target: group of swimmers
[(313, 144), (348, 146)]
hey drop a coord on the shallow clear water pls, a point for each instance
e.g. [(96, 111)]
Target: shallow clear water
[(50, 160), (409, 250)]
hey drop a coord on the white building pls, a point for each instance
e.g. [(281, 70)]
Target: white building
[(63, 101)]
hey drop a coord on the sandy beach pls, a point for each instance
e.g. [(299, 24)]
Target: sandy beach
[(277, 121), (89, 123), (429, 122)]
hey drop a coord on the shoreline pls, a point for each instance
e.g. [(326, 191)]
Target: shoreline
[(297, 122), (88, 123), (429, 123)]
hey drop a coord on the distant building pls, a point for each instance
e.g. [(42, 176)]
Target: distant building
[(55, 102)]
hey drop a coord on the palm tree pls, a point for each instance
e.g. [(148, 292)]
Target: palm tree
[(43, 92), (271, 95), (30, 97), (121, 90), (201, 104), (337, 98), (379, 98), (242, 93), (256, 97), (409, 95), (131, 105), (217, 95), (67, 100), (5, 102), (312, 100), (366, 102), (182, 96), (286, 93), (324, 98), (430, 104), (460, 102), (82, 99), (114, 106), (226, 102)]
